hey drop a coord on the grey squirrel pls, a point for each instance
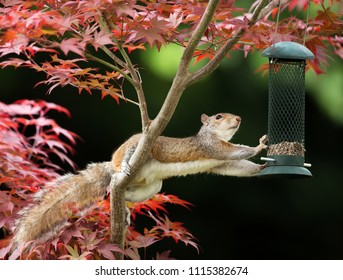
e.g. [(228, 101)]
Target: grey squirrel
[(207, 152)]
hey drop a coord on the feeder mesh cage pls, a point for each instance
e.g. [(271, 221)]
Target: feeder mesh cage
[(286, 123)]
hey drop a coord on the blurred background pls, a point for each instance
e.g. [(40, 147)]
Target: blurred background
[(232, 218)]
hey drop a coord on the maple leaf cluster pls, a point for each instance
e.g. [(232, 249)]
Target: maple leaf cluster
[(82, 28), (29, 139)]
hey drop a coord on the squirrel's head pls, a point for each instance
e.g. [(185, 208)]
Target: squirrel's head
[(224, 125)]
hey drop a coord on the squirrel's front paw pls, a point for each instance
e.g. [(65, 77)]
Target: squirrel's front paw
[(126, 169), (263, 166), (264, 141)]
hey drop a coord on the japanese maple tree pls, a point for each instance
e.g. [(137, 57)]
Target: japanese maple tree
[(32, 148), (60, 38)]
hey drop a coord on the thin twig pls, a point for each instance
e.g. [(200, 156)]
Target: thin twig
[(214, 63), (136, 79), (104, 26), (268, 8), (109, 65), (114, 93), (115, 58), (326, 12), (197, 35)]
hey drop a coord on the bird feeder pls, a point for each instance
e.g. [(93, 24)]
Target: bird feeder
[(286, 110)]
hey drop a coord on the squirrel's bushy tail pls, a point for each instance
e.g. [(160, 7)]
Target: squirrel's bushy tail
[(81, 190)]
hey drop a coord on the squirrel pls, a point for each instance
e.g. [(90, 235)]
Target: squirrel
[(207, 152)]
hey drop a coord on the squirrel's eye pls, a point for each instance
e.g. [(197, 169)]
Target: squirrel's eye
[(218, 117)]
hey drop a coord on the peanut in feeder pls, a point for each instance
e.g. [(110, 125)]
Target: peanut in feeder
[(286, 110)]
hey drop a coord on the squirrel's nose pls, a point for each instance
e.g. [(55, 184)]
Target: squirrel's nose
[(238, 118)]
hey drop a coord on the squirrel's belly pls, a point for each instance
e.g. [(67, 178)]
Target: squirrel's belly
[(158, 170)]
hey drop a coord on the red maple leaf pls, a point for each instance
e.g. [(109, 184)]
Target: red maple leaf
[(72, 45)]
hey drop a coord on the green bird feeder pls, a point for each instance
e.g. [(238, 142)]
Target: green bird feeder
[(286, 111)]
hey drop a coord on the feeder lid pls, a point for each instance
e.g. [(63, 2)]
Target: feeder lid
[(288, 50)]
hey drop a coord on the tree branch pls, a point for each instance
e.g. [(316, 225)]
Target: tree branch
[(197, 35), (136, 79), (267, 9), (178, 86), (214, 63), (118, 215), (151, 132)]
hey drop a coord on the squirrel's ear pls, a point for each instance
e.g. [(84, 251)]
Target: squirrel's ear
[(204, 118)]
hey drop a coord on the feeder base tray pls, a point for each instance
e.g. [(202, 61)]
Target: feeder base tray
[(290, 172)]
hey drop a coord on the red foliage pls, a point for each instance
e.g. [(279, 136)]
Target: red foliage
[(83, 27), (28, 142)]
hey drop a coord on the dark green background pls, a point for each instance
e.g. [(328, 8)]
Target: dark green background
[(233, 218)]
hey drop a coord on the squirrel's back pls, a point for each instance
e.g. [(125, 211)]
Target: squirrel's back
[(206, 144)]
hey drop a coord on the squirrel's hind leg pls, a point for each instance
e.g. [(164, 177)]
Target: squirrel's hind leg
[(143, 191), (240, 168)]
